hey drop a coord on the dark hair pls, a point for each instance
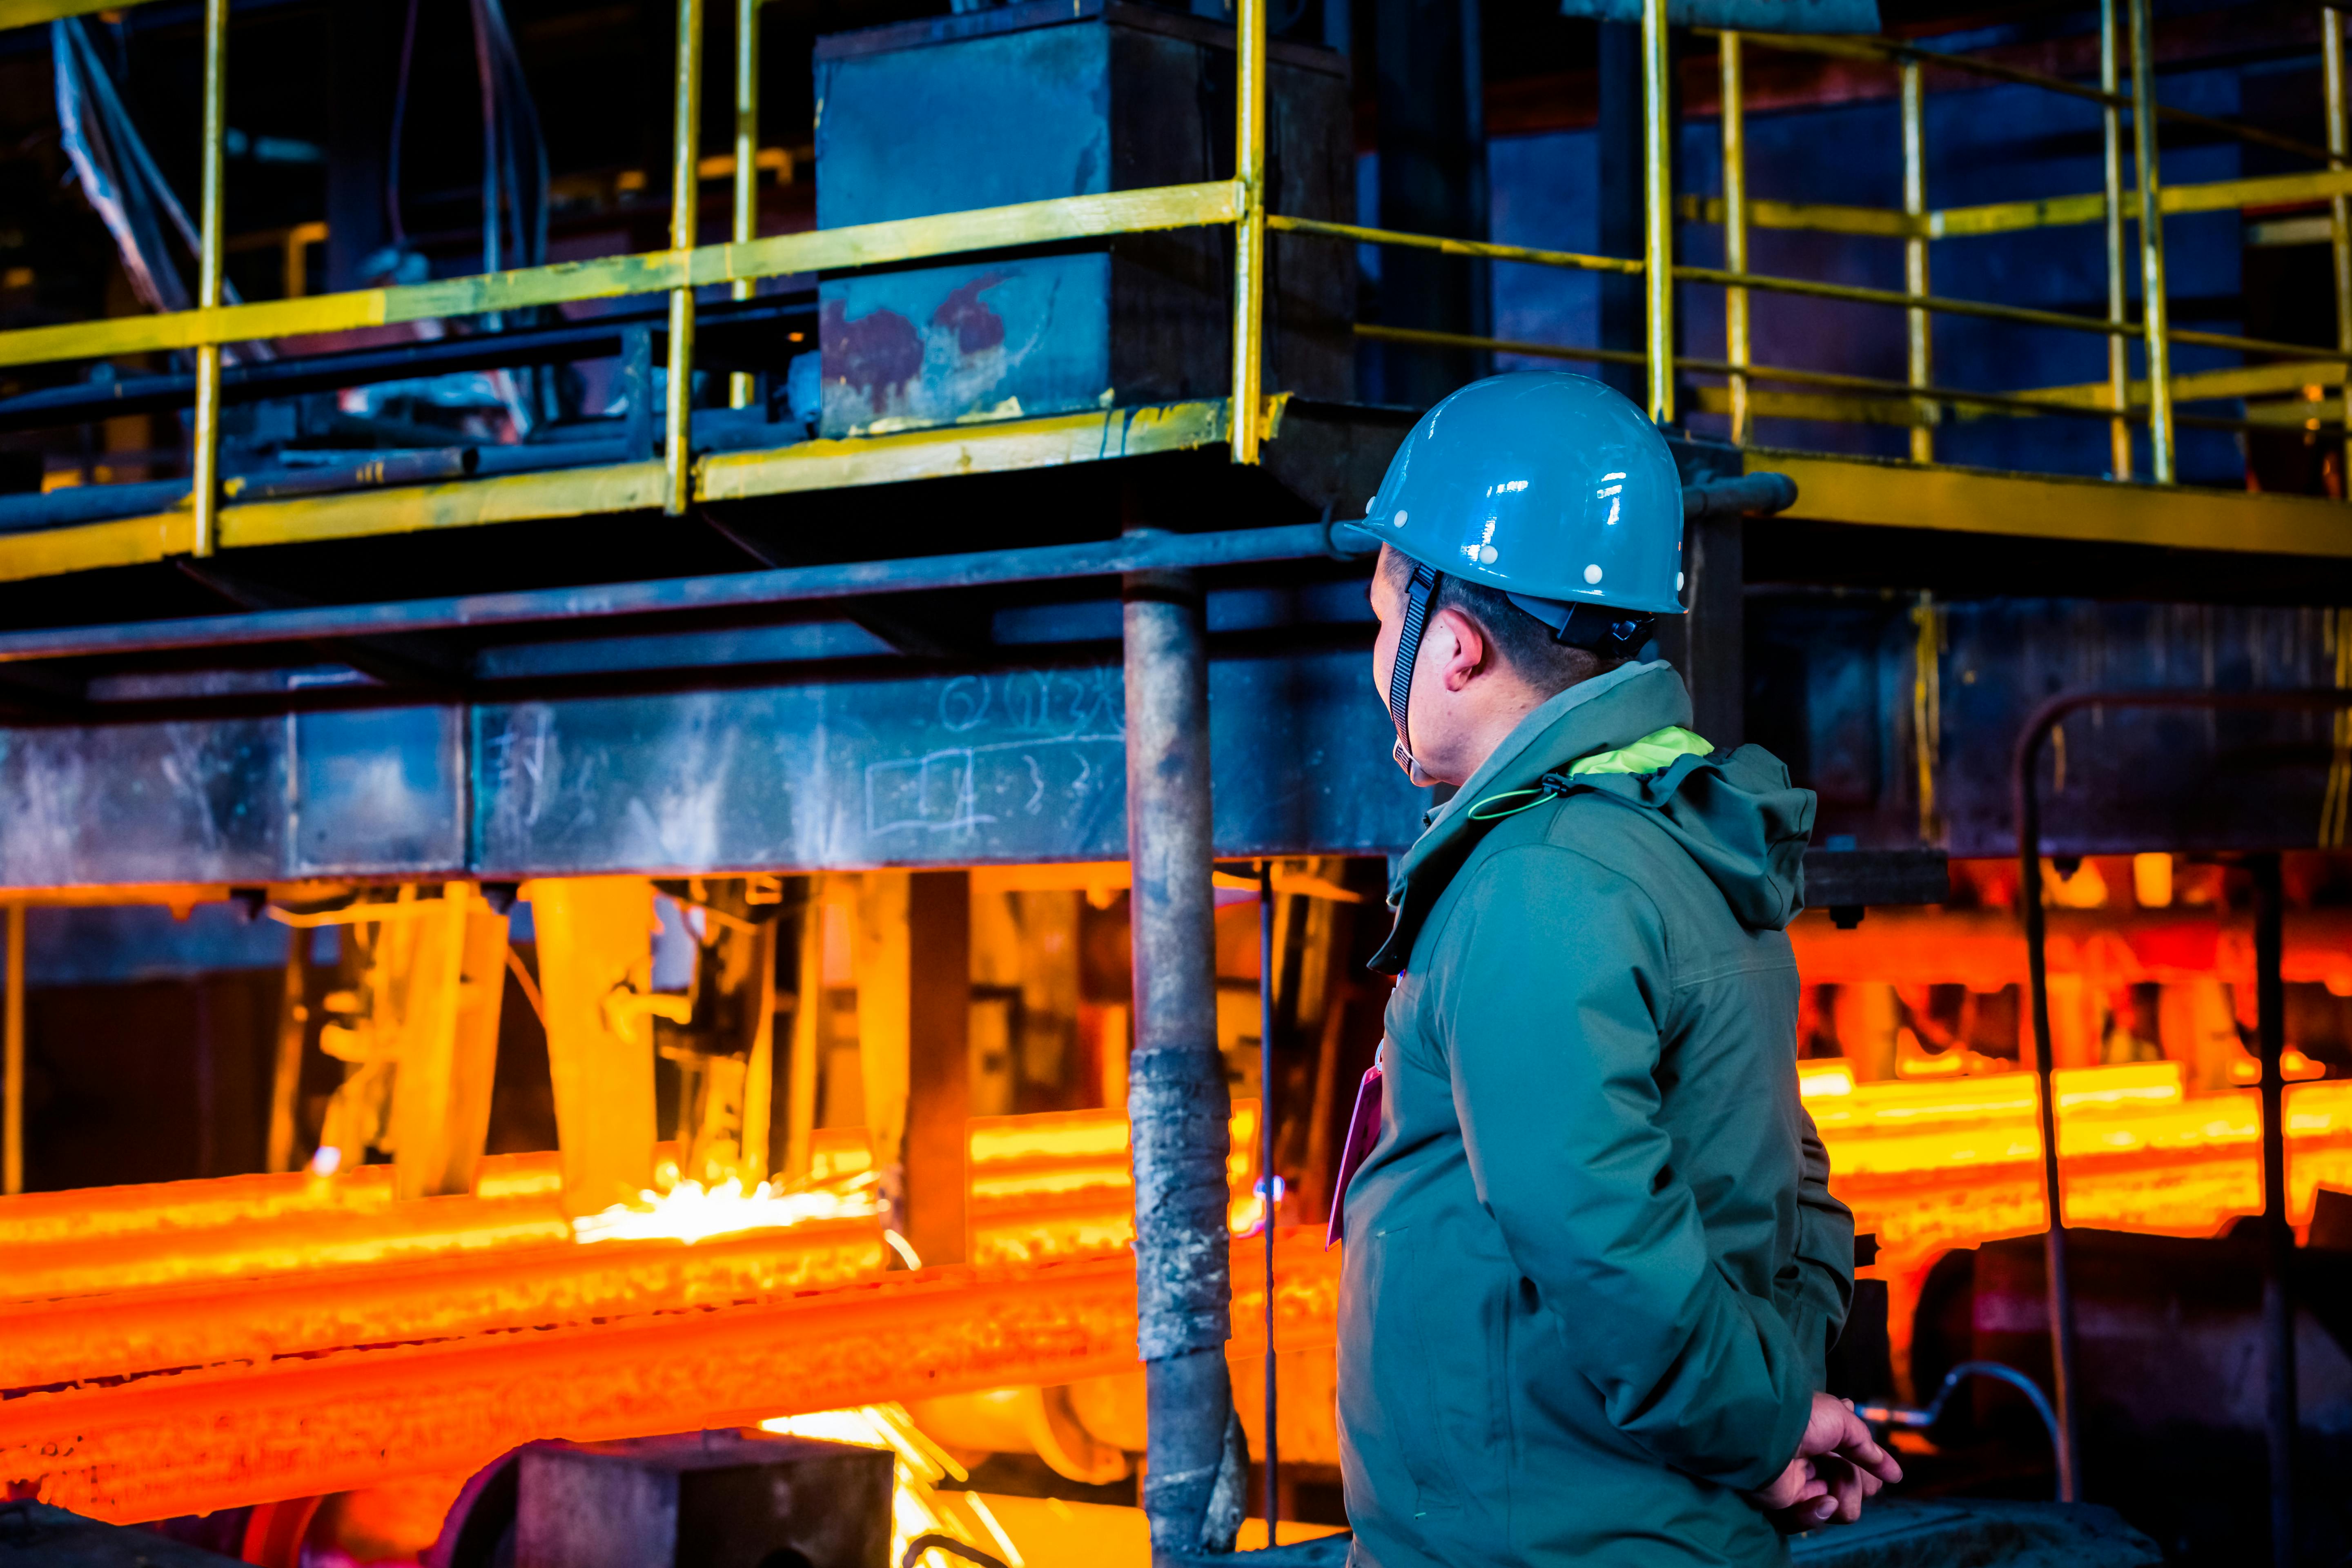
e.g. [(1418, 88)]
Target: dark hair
[(1524, 643)]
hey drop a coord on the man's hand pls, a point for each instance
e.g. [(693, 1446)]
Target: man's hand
[(1838, 1465)]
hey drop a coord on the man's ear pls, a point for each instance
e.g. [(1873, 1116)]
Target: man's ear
[(1469, 654)]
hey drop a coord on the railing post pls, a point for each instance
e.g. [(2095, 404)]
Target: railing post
[(1249, 229), (685, 199), (2154, 315), (747, 167), (2118, 351), (2057, 1285), (1918, 338), (205, 464), (12, 1104), (2339, 213), (2278, 1236), (1658, 220), (1735, 227), (1196, 1479)]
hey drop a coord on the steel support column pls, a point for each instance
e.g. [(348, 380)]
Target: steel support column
[(938, 1055), (1658, 229), (1733, 97), (2154, 316), (685, 201), (11, 1104), (1249, 229), (741, 385), (2119, 349), (2278, 1236), (1918, 330), (2339, 209), (205, 458), (1197, 1476)]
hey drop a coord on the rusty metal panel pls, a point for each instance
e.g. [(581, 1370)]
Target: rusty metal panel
[(193, 801), (1003, 767), (377, 791)]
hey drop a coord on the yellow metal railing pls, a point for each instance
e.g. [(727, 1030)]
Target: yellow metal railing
[(683, 268), (1917, 400), (2149, 400)]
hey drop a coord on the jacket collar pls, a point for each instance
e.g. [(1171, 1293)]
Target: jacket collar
[(1597, 715)]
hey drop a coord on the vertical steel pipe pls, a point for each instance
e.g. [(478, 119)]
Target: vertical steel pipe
[(1918, 345), (685, 199), (2340, 208), (1196, 1478), (739, 386), (2118, 351), (1658, 219), (1249, 230), (286, 1074), (1734, 225), (2154, 315), (2060, 1299), (204, 475), (1271, 1457), (12, 1100), (2278, 1238)]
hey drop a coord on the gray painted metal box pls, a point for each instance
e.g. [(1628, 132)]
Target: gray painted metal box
[(1060, 98), (703, 1500)]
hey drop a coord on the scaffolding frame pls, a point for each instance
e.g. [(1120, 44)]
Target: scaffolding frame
[(744, 259)]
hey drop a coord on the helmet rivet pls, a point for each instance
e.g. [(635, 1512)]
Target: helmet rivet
[(1485, 555), (1678, 582), (1592, 573), (1400, 520)]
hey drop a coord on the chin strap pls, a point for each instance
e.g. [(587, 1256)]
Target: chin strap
[(1416, 617)]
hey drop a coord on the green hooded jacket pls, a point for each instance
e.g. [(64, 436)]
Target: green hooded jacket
[(1592, 1264)]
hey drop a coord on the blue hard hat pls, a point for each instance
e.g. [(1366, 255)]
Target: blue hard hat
[(1544, 484)]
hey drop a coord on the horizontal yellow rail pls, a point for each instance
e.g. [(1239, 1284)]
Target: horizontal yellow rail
[(1768, 284), (2238, 381), (1889, 51), (1884, 494), (2012, 217), (1000, 447), (33, 13), (824, 249), (1575, 261)]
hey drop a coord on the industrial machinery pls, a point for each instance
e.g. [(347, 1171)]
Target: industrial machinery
[(665, 736)]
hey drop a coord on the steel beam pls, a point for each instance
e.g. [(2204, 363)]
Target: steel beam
[(2033, 506)]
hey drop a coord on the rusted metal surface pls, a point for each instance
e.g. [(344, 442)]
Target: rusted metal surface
[(200, 1440)]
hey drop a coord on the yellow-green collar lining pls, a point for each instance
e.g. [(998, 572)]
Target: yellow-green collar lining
[(1653, 752)]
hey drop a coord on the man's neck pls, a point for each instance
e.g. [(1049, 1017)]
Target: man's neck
[(1490, 723)]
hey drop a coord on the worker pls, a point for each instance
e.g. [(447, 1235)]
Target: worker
[(1591, 1265)]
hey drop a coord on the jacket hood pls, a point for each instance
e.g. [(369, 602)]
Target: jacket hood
[(1735, 814)]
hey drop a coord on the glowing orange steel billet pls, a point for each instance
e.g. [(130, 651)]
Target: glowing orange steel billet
[(191, 1326), (295, 1243), (102, 1214), (1985, 949), (163, 1446)]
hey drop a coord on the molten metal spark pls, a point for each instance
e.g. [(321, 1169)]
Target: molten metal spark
[(690, 1212)]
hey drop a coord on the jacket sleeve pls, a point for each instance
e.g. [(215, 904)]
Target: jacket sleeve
[(1553, 1045), (1824, 1260)]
